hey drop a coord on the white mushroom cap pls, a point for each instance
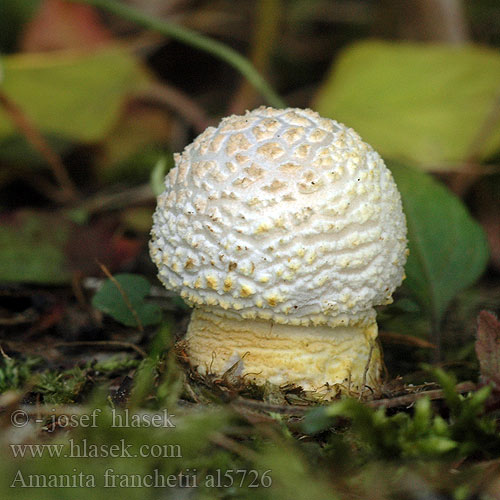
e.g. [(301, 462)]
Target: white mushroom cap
[(281, 215)]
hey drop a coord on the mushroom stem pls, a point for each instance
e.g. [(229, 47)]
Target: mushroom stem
[(325, 359)]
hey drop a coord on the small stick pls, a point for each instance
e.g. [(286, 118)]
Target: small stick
[(114, 201), (405, 400), (408, 399), (401, 338), (229, 444), (3, 353), (179, 101), (365, 372), (261, 406)]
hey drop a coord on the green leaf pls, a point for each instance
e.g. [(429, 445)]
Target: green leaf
[(422, 415), (448, 249), (421, 103), (75, 95), (316, 420), (448, 383), (430, 446), (109, 299), (157, 179), (321, 418)]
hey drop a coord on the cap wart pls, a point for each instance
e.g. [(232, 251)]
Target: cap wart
[(283, 230)]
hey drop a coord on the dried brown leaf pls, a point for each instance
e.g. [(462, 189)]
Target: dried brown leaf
[(60, 25)]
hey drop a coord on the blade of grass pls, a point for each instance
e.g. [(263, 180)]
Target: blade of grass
[(194, 39)]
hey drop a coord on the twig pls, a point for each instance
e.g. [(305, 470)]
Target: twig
[(104, 343), (93, 284), (408, 399), (400, 338), (124, 295), (405, 400), (229, 444), (180, 102), (114, 201), (365, 371), (27, 316), (35, 138), (261, 406), (194, 39), (45, 186), (4, 354)]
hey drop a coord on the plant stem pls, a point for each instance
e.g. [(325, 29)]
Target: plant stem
[(265, 34), (194, 39), (436, 337), (34, 137)]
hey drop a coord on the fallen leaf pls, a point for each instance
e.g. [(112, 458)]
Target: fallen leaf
[(59, 25), (31, 248), (48, 247), (101, 241), (72, 94), (419, 103)]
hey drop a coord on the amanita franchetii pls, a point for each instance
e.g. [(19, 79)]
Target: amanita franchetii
[(283, 230)]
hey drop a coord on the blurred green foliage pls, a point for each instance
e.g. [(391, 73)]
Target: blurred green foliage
[(14, 374), (340, 447), (76, 96), (421, 105), (32, 249), (421, 436)]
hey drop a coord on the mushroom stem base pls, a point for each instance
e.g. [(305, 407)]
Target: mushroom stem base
[(324, 359)]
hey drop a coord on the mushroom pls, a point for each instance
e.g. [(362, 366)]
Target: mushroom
[(283, 230)]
